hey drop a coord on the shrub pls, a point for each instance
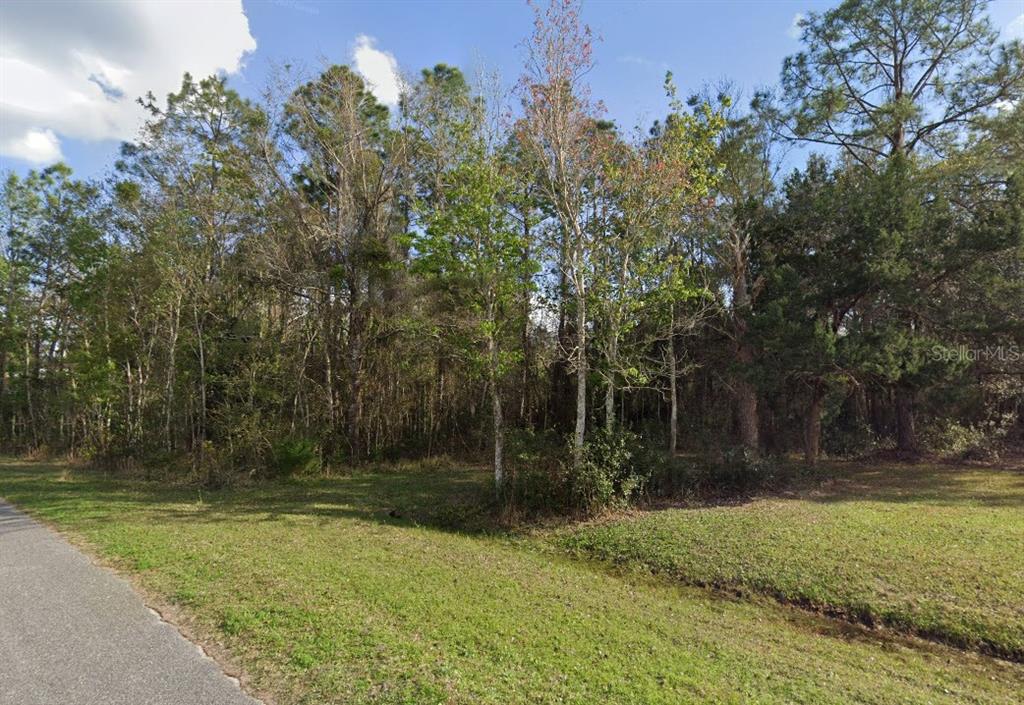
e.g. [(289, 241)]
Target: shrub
[(968, 442), (536, 482), (741, 472), (610, 473), (614, 470), (294, 456), (850, 440)]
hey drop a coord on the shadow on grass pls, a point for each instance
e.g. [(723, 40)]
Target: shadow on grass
[(927, 483), (450, 498)]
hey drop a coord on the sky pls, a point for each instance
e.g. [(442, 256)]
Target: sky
[(70, 71)]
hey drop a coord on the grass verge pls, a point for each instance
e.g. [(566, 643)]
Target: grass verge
[(934, 550), (329, 591)]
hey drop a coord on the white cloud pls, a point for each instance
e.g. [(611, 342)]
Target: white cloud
[(1015, 30), (35, 147), (643, 61), (76, 73), (379, 69), (795, 30), (635, 60)]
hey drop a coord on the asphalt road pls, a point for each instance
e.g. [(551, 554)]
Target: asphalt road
[(73, 633)]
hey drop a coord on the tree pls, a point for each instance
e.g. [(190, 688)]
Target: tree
[(191, 174), (748, 152), (471, 248), (53, 245), (822, 257), (886, 77), (348, 178), (558, 130), (652, 190), (899, 79)]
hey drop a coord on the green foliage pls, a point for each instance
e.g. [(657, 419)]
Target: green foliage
[(845, 90), (615, 471), (850, 440), (294, 456), (537, 482), (950, 438), (609, 475), (384, 284), (740, 472), (735, 473)]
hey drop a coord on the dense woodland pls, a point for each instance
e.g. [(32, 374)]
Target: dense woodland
[(311, 279)]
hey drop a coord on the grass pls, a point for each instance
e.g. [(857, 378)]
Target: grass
[(336, 591), (931, 549)]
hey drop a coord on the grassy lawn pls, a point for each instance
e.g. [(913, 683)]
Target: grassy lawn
[(935, 550), (330, 591)]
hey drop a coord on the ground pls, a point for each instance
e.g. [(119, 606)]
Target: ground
[(358, 589), (933, 549)]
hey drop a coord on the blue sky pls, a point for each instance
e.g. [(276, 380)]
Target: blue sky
[(114, 49)]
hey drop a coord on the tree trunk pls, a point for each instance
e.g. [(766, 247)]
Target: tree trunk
[(3, 393), (30, 404), (581, 375), (812, 425), (525, 405), (354, 363), (673, 383), (609, 391), (202, 381), (172, 347), (327, 332), (746, 394), (746, 411), (609, 406), (499, 425), (906, 435)]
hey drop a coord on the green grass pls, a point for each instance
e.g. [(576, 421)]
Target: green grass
[(323, 596), (930, 549)]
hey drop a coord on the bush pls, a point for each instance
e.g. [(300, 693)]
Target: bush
[(967, 442), (742, 472), (737, 472), (535, 474), (294, 456), (611, 472), (851, 440), (614, 470)]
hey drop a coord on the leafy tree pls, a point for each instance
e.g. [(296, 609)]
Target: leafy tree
[(561, 135), (889, 77), (471, 249), (899, 80)]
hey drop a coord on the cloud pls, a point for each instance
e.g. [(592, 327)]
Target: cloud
[(795, 30), (1015, 30), (635, 60), (642, 61), (297, 5), (379, 69), (35, 147), (76, 73)]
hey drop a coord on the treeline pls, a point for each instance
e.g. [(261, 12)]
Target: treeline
[(316, 278)]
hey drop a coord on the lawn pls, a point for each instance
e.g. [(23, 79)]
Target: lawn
[(931, 549), (349, 590)]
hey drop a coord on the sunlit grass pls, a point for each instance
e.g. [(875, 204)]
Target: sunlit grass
[(347, 590), (936, 550)]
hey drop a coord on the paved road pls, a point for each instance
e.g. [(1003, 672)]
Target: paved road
[(72, 633)]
